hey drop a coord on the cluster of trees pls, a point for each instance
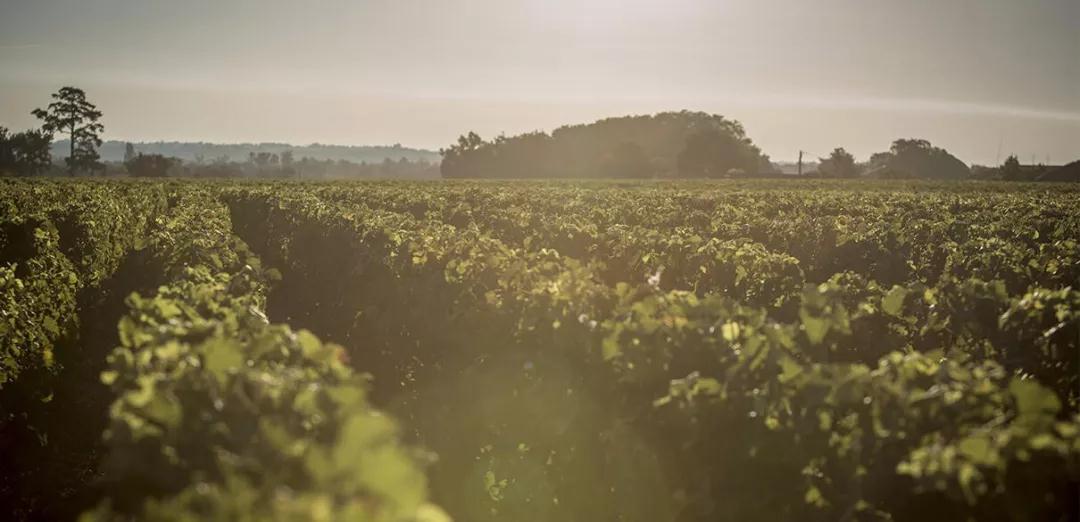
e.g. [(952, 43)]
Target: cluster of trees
[(905, 159), (670, 144), (1012, 170), (839, 164), (28, 153), (913, 158), (24, 153), (151, 165), (677, 144)]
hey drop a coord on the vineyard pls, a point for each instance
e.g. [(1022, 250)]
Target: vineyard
[(539, 351)]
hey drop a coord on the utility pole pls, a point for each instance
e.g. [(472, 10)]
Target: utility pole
[(800, 162)]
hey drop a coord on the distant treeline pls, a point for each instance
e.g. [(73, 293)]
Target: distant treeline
[(114, 151), (271, 165), (698, 145), (666, 145), (671, 144)]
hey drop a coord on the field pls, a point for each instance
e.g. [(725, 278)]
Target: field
[(528, 351)]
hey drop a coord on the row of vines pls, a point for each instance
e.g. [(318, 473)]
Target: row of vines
[(560, 351), (211, 411)]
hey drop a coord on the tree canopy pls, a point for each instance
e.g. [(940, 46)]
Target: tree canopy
[(917, 158), (24, 153), (71, 114), (150, 165), (684, 144), (1011, 170), (839, 164)]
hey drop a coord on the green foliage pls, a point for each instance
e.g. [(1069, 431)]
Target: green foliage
[(581, 351), (220, 415), (704, 337), (36, 304), (58, 240)]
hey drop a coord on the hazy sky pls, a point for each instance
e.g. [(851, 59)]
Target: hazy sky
[(969, 75)]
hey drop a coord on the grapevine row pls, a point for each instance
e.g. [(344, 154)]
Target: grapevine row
[(473, 296)]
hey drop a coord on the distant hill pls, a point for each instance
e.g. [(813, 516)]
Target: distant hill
[(192, 151)]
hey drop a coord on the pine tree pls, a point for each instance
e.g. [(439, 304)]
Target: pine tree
[(72, 115)]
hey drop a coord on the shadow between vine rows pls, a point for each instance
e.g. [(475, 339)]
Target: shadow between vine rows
[(521, 431), (51, 424)]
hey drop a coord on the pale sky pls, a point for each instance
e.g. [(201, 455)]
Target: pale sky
[(969, 75)]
